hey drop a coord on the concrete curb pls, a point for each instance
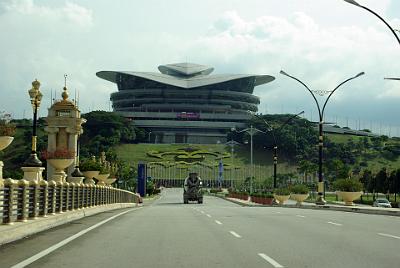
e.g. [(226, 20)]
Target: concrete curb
[(19, 230), (375, 211)]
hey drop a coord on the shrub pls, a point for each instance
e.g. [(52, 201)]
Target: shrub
[(104, 170), (299, 189), (6, 128), (268, 195), (89, 165), (347, 185), (215, 190), (282, 191)]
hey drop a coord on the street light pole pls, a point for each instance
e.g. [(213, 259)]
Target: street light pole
[(251, 159), (251, 131), (373, 12), (232, 144), (320, 200), (272, 130), (36, 97)]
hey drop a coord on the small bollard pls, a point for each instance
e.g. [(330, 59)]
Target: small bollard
[(22, 201), (33, 200), (9, 188), (52, 188), (59, 197), (66, 198), (43, 198), (72, 195)]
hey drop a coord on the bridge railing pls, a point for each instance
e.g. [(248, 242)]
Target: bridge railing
[(22, 200)]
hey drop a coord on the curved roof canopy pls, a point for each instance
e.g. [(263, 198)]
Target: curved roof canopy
[(183, 75), (185, 69)]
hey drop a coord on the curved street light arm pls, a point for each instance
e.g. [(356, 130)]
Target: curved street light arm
[(376, 14), (271, 129), (312, 94), (345, 81), (290, 119)]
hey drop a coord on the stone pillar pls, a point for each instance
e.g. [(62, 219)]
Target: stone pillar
[(73, 146), (33, 173), (51, 147), (64, 123)]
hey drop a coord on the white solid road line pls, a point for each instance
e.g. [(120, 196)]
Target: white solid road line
[(388, 235), (66, 241), (208, 215), (235, 234), (218, 222), (270, 260), (334, 223)]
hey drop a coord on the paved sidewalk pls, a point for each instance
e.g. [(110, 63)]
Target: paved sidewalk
[(292, 204), (18, 230)]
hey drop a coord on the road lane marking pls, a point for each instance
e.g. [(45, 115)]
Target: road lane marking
[(218, 222), (388, 235), (208, 215), (334, 223), (202, 212), (66, 241), (235, 234), (270, 260), (301, 216)]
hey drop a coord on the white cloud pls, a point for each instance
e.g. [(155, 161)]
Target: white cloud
[(320, 42), (70, 12)]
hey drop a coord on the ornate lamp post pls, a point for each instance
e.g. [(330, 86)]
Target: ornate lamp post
[(320, 200), (272, 130), (36, 97)]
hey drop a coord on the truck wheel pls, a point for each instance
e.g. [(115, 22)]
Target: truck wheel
[(200, 201), (185, 201)]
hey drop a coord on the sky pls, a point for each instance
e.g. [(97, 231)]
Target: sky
[(321, 42)]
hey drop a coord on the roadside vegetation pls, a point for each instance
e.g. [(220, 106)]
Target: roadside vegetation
[(374, 161)]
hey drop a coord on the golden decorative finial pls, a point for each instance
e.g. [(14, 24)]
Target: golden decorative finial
[(65, 93), (36, 84)]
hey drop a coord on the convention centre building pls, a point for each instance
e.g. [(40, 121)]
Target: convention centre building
[(184, 103)]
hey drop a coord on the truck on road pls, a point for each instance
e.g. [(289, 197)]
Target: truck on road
[(192, 189)]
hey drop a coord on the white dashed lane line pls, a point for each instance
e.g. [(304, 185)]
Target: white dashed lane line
[(300, 216), (388, 235), (208, 215), (270, 260), (218, 222), (235, 234), (335, 223)]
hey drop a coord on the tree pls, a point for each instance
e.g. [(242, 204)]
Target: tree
[(104, 130), (366, 178), (381, 181)]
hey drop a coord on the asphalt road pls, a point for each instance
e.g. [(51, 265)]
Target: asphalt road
[(167, 233)]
